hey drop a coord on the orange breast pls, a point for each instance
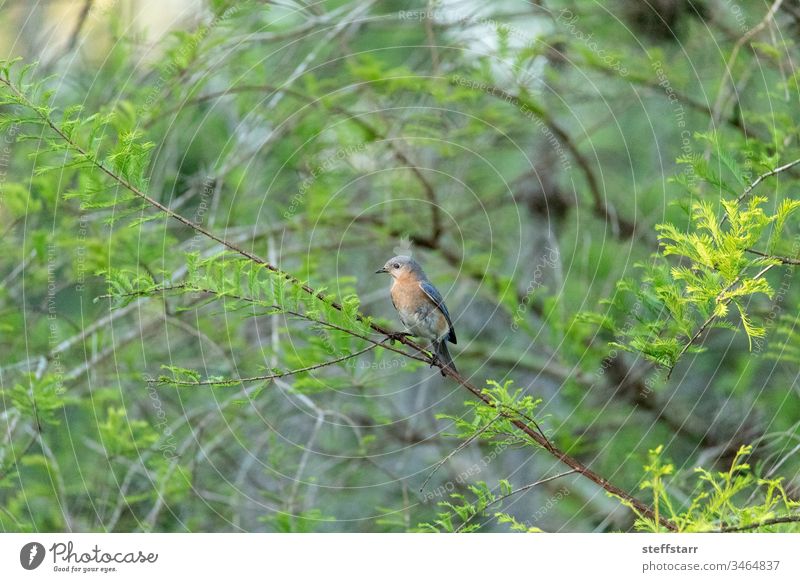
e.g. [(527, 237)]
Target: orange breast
[(405, 293)]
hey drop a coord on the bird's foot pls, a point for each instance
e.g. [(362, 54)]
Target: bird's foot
[(438, 362), (397, 336)]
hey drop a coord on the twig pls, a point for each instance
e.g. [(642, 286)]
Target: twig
[(457, 449), (73, 39), (277, 309), (758, 524), (7, 469), (764, 176), (784, 260), (562, 456), (290, 502), (716, 112), (57, 482), (620, 226), (532, 485), (533, 434), (712, 317), (519, 490), (399, 154), (683, 98), (431, 38), (233, 381)]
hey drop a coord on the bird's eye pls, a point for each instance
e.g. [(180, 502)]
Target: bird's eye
[(396, 265)]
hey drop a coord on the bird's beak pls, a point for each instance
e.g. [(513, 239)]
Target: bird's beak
[(381, 270)]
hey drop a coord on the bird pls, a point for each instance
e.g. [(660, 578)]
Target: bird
[(421, 307)]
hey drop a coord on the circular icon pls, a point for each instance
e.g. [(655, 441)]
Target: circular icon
[(31, 555)]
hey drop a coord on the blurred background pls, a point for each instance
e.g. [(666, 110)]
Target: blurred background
[(522, 152)]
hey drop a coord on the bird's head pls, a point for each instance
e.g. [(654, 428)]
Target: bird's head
[(400, 266)]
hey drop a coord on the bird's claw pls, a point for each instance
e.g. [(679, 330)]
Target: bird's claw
[(436, 361), (397, 336)]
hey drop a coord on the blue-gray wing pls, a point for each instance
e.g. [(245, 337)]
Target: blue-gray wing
[(434, 295)]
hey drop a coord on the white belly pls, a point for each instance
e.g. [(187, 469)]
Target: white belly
[(417, 324)]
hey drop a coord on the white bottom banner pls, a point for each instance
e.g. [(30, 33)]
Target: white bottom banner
[(355, 557)]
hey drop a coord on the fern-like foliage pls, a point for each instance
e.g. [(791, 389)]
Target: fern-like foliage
[(492, 421), (706, 276), (102, 162), (237, 285), (736, 498)]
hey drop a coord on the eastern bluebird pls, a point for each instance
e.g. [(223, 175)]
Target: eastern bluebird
[(420, 306)]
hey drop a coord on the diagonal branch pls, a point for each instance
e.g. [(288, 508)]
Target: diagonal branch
[(622, 227), (520, 490), (728, 75), (712, 317), (457, 449), (764, 176), (529, 431)]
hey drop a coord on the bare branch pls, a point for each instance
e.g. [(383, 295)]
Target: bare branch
[(764, 176), (717, 109), (621, 227)]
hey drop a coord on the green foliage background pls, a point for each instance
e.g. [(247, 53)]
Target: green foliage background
[(605, 195)]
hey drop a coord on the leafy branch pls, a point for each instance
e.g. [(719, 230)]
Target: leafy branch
[(125, 167), (713, 506), (681, 302), (760, 524), (284, 374)]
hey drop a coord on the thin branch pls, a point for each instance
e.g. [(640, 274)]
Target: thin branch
[(457, 449), (519, 490), (399, 154), (73, 39), (621, 227), (7, 469), (431, 38), (683, 98), (784, 260), (233, 381), (532, 485), (532, 433), (691, 341), (561, 455), (169, 212), (717, 109), (758, 524), (301, 467), (764, 176), (277, 309), (712, 317)]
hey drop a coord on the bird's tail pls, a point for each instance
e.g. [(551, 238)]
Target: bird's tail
[(443, 354)]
